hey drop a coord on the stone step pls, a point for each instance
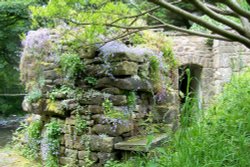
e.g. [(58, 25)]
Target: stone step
[(142, 143)]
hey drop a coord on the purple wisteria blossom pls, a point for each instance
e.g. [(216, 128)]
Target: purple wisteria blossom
[(37, 42)]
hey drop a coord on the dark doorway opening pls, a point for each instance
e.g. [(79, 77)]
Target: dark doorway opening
[(190, 83)]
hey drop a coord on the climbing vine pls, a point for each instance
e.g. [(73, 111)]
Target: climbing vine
[(53, 133), (32, 147)]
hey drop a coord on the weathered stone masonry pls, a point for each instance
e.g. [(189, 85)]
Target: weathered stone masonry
[(218, 60), (121, 85), (113, 75)]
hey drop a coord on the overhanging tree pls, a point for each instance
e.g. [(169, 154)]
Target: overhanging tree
[(230, 18)]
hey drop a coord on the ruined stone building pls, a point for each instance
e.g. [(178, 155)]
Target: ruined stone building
[(212, 63), (120, 92)]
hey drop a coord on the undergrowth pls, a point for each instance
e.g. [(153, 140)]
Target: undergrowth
[(221, 138), (53, 134)]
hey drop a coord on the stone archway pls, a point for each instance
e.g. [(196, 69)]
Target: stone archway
[(190, 82)]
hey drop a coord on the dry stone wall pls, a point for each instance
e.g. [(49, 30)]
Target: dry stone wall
[(109, 97)]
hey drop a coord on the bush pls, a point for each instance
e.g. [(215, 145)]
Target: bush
[(71, 64)]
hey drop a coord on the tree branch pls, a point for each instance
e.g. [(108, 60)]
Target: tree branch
[(236, 8), (133, 16), (217, 17), (189, 31), (222, 12), (248, 2), (229, 35)]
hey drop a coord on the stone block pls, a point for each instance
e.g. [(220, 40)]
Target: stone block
[(140, 143), (62, 141), (68, 161), (101, 143), (51, 74), (71, 153), (95, 70), (91, 155), (62, 151), (95, 109), (70, 121), (70, 104), (93, 100), (113, 90), (104, 157), (166, 114), (113, 130), (68, 129), (131, 83), (126, 56), (118, 100), (69, 143), (78, 143), (124, 68), (54, 108)]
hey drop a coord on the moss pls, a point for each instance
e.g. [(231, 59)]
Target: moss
[(54, 107), (45, 63), (58, 71)]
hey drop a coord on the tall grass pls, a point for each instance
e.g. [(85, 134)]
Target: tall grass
[(221, 139)]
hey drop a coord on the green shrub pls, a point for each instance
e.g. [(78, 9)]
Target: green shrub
[(110, 112), (32, 147), (81, 124), (63, 90), (71, 64), (91, 81)]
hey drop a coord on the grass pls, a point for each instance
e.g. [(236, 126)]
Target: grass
[(11, 158), (221, 138)]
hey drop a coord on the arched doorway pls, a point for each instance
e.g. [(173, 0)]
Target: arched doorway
[(190, 83)]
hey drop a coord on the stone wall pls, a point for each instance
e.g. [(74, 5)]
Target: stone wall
[(218, 59), (111, 95)]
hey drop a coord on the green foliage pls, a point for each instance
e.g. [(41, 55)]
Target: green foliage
[(165, 15), (110, 112), (34, 95), (53, 133), (14, 21), (32, 147), (91, 80), (219, 139), (154, 68), (244, 4), (95, 12), (85, 139), (108, 106), (63, 90), (209, 42), (10, 84), (131, 98), (71, 64), (189, 109), (138, 39), (81, 124), (168, 55), (155, 73)]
